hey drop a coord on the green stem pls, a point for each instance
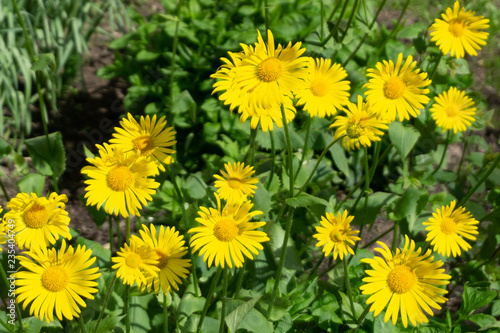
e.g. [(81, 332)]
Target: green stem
[(250, 155), (127, 229), (289, 150), (184, 217), (317, 164), (18, 310), (337, 24), (322, 21), (208, 299), (81, 324), (4, 190), (316, 266), (483, 178), (348, 288), (111, 245), (448, 135), (306, 142), (395, 237), (172, 65), (239, 281), (165, 314), (273, 158), (487, 216), (349, 21), (367, 184), (118, 233), (266, 17), (361, 318), (105, 302), (431, 76), (126, 305), (7, 326), (224, 301), (378, 237), (466, 145)]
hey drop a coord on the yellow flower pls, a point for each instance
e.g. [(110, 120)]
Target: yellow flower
[(226, 234), (406, 281), (135, 262), (270, 74), (236, 183), (397, 89), (453, 110), (459, 30), (336, 234), (169, 247), (359, 127), (268, 115), (325, 89), (38, 221), (448, 227), (3, 236), (56, 281), (119, 181), (150, 138)]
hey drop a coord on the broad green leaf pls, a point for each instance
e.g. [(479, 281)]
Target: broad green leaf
[(49, 158), (183, 102), (5, 148), (191, 304), (376, 201), (195, 186), (403, 138), (99, 215), (146, 56), (42, 61), (103, 255), (32, 325), (262, 199), (474, 298), (276, 235), (339, 158), (411, 203), (412, 30), (32, 182), (482, 319), (238, 315), (305, 200), (107, 324), (138, 312)]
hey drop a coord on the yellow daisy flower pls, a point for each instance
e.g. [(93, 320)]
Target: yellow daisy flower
[(3, 235), (57, 281), (150, 138), (448, 227), (119, 181), (406, 281), (269, 74), (359, 127), (38, 221), (236, 183), (169, 247), (459, 30), (226, 234), (135, 262), (336, 234), (453, 110), (397, 89), (325, 89), (268, 115)]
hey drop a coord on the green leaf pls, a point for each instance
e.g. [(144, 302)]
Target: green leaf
[(49, 158), (403, 138), (305, 200), (376, 201), (146, 56), (42, 61), (183, 102), (32, 182), (411, 203), (5, 148), (412, 31), (482, 319), (474, 298), (234, 319), (195, 186), (338, 155), (191, 304), (103, 255), (139, 318), (292, 259), (262, 199), (32, 325), (106, 325)]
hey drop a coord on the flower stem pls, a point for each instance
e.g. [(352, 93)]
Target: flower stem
[(7, 326), (378, 237), (224, 300), (289, 150), (105, 302), (111, 245), (367, 184), (127, 229), (18, 310), (395, 236), (444, 153), (172, 64), (118, 233), (306, 143), (80, 323), (126, 304), (207, 300), (4, 190), (348, 288), (361, 318), (483, 178), (239, 281), (165, 314), (273, 157), (353, 12), (250, 155), (431, 76)]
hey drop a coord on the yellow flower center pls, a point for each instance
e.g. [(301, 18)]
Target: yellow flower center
[(145, 144), (120, 178), (354, 131), (36, 217), (55, 278), (401, 279), (226, 230), (448, 225), (133, 260), (319, 87), (270, 70), (457, 28), (234, 182), (337, 235), (394, 87), (162, 259), (452, 111)]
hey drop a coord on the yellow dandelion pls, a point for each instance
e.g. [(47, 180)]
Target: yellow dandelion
[(135, 262), (150, 138), (359, 127), (236, 183), (335, 234), (448, 227), (169, 247), (119, 181), (397, 89), (268, 116), (269, 74), (226, 234), (453, 110), (56, 281), (325, 89), (38, 221), (459, 31), (406, 281)]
